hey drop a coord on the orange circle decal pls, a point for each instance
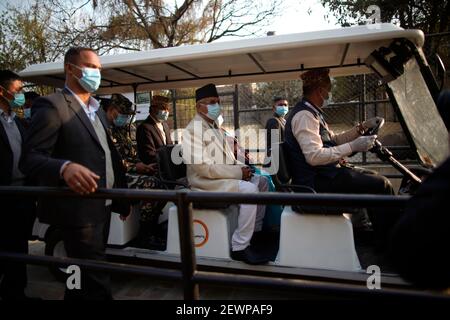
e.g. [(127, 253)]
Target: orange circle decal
[(201, 233)]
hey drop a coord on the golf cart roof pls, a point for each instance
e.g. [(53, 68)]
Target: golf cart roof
[(271, 58)]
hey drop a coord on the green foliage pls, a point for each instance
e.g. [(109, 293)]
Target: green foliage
[(42, 30)]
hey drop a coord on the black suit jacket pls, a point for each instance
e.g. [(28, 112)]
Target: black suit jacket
[(61, 131), (6, 154), (149, 140), (19, 214), (274, 123)]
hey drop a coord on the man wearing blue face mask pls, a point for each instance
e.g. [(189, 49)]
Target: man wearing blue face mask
[(30, 97), (154, 132), (17, 214), (68, 145), (212, 166), (139, 175), (277, 122)]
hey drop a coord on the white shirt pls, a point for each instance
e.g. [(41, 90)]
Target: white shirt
[(7, 117), (92, 107), (306, 130)]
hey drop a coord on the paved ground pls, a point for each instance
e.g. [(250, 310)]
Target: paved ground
[(43, 284)]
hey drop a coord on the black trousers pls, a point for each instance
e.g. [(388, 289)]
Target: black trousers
[(363, 181), (17, 216), (89, 242)]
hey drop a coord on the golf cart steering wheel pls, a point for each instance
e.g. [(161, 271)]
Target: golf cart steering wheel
[(384, 154), (374, 130), (371, 132)]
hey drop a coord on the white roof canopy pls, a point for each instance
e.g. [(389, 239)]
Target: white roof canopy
[(271, 58)]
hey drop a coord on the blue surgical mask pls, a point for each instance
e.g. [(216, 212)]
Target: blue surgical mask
[(214, 111), (281, 110), (162, 115), (121, 120), (27, 113), (90, 79), (18, 101)]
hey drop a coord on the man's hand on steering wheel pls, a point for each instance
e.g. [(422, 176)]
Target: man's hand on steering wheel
[(371, 126)]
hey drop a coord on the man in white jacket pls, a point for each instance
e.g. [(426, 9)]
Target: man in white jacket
[(212, 166)]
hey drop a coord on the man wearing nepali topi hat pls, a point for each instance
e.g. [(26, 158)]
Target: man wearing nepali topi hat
[(315, 153), (154, 132), (212, 166)]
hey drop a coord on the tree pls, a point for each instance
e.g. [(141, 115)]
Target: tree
[(24, 39), (431, 16), (43, 30), (168, 24)]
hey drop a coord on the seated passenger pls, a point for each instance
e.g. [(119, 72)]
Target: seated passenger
[(272, 218), (280, 108), (139, 175), (154, 132), (420, 243), (314, 152), (212, 166)]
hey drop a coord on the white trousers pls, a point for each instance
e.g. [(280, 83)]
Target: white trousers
[(251, 216)]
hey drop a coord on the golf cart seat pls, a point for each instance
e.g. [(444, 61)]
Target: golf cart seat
[(283, 179), (214, 223), (312, 239)]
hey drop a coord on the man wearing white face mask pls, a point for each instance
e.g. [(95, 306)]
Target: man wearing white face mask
[(212, 166), (314, 152), (67, 145)]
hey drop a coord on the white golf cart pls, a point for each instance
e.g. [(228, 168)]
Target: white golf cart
[(319, 246)]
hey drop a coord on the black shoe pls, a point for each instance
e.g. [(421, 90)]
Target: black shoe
[(364, 236), (258, 237), (249, 256)]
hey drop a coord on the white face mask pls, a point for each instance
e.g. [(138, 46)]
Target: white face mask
[(220, 120), (326, 102)]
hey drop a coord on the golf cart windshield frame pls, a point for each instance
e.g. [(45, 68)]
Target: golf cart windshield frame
[(413, 92)]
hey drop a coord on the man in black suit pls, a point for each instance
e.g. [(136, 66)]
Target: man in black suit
[(67, 145), (16, 214), (154, 132)]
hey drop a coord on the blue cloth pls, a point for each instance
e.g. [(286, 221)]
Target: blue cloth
[(272, 219)]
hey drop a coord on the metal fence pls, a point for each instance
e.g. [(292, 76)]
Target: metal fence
[(191, 277)]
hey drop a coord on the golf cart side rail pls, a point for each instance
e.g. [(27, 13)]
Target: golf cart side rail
[(189, 274)]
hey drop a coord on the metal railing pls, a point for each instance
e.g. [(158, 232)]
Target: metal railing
[(190, 276)]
